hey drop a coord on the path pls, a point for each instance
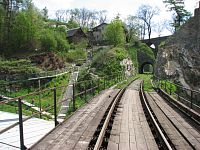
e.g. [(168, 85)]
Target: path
[(68, 97)]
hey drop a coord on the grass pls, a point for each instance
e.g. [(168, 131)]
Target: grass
[(147, 82), (46, 97), (124, 83)]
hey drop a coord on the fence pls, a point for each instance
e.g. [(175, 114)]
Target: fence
[(45, 103), (189, 97)]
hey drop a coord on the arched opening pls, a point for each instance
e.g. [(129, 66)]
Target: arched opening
[(152, 46), (147, 67)]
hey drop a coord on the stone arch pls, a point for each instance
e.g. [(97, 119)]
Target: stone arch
[(143, 65)]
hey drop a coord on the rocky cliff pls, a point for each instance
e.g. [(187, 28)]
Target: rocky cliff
[(179, 57)]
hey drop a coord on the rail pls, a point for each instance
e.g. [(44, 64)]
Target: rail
[(101, 136), (164, 141)]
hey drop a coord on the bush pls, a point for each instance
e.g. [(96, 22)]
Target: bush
[(75, 55), (107, 62), (48, 41), (62, 44)]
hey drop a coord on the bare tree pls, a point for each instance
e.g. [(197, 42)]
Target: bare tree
[(146, 13), (169, 26), (133, 27), (102, 16), (159, 27), (60, 15)]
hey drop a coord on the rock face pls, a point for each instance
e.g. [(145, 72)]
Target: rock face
[(179, 57)]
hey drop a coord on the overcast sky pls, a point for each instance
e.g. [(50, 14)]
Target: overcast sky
[(113, 7)]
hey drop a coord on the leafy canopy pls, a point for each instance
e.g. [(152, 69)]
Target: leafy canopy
[(114, 32)]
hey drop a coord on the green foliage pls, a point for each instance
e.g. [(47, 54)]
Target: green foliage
[(145, 49), (28, 31), (48, 42), (17, 67), (162, 44), (126, 82), (132, 51), (147, 82), (74, 55), (115, 32), (72, 24), (181, 14), (62, 44), (168, 86), (107, 62)]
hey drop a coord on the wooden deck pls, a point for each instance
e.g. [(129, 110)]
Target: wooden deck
[(77, 131), (181, 122), (130, 129)]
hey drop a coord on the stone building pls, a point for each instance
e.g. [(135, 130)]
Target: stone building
[(96, 35), (76, 35)]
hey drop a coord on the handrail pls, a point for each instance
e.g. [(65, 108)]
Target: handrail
[(178, 85)]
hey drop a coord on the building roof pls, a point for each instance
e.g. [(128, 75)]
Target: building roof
[(100, 25), (71, 32)]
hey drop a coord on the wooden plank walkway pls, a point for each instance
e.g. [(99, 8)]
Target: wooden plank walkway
[(77, 131), (130, 129), (182, 123)]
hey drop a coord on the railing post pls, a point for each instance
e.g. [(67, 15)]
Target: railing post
[(191, 98), (74, 107), (22, 146), (39, 98), (98, 86), (170, 90), (55, 108), (104, 82), (10, 89), (178, 94), (85, 91), (93, 88)]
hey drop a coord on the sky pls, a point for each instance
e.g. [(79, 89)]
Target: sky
[(113, 7)]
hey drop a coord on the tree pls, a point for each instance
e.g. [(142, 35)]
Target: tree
[(45, 13), (146, 13), (180, 13), (115, 32), (25, 29), (133, 26), (159, 27)]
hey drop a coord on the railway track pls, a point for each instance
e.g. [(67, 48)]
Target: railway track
[(174, 133), (124, 119), (162, 137), (101, 136)]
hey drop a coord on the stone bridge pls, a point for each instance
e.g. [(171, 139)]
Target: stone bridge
[(144, 59), (155, 41)]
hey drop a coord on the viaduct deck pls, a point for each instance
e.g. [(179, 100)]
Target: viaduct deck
[(130, 128)]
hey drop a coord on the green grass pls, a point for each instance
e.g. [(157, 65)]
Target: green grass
[(21, 66), (46, 97), (124, 83), (147, 82)]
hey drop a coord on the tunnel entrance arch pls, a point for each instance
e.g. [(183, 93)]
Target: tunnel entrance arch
[(147, 67)]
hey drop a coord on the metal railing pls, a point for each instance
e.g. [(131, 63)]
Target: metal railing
[(188, 97), (47, 101)]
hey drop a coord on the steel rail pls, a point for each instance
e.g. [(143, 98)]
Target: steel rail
[(153, 119), (105, 125)]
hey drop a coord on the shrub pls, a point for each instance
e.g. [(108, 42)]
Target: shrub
[(48, 41)]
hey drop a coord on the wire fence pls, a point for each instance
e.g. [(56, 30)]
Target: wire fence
[(45, 104)]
